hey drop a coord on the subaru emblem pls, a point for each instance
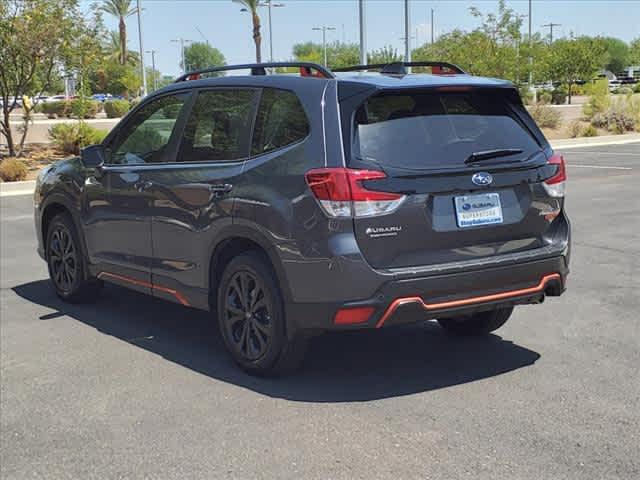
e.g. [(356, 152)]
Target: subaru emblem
[(482, 178)]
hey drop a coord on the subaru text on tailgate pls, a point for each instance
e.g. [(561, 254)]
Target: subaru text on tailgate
[(293, 204)]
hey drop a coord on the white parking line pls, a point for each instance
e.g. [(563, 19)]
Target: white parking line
[(598, 166)]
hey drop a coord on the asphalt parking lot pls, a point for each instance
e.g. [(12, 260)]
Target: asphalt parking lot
[(133, 387)]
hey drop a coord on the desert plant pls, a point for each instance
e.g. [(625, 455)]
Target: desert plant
[(116, 108), (636, 89), (526, 94), (623, 115), (624, 91), (13, 170), (589, 131), (545, 116), (70, 138)]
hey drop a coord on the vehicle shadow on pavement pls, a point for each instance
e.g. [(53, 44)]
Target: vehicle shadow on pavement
[(339, 367)]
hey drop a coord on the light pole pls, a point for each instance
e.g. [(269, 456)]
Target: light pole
[(324, 29), (182, 41), (269, 4), (142, 72), (153, 68), (363, 37), (407, 35), (432, 28), (519, 18)]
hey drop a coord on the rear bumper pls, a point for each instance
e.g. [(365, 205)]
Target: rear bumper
[(410, 300)]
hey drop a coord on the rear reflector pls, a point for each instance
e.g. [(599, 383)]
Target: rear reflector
[(555, 186), (341, 194), (352, 316)]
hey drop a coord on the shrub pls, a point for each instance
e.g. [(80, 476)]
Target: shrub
[(623, 115), (575, 129), (13, 170), (589, 131), (56, 109), (133, 103), (544, 97), (83, 108), (625, 91), (599, 99), (526, 94), (636, 89), (116, 108), (559, 96), (70, 138), (545, 116)]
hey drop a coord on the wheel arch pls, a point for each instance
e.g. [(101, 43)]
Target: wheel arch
[(235, 241)]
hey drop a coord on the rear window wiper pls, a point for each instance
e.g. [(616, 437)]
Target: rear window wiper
[(489, 154)]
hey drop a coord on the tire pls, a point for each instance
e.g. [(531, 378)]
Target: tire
[(477, 324), (67, 264), (251, 318)]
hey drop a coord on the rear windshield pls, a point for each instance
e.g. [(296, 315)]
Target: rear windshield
[(437, 129)]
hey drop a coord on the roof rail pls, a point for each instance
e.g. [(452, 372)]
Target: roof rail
[(399, 68), (260, 69)]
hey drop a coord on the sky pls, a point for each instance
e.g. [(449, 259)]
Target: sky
[(227, 28)]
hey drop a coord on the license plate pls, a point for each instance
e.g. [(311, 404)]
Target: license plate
[(476, 210)]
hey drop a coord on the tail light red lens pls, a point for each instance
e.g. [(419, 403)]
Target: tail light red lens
[(341, 194), (555, 186)]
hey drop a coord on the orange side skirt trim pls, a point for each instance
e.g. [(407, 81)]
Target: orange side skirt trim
[(178, 296)]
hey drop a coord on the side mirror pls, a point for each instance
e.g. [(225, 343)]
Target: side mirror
[(93, 156)]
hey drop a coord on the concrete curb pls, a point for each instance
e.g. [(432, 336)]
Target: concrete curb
[(9, 189)]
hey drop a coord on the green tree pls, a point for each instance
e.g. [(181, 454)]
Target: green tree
[(386, 54), (634, 52), (113, 50), (616, 56), (251, 6), (120, 9), (201, 55), (338, 54), (573, 60), (34, 37)]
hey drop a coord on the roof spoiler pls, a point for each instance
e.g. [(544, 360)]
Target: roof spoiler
[(307, 69)]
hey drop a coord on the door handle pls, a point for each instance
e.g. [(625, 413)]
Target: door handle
[(143, 185), (220, 189)]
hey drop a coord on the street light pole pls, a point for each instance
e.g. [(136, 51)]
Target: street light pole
[(153, 68), (363, 38), (324, 29), (142, 72), (432, 28), (407, 35), (182, 41)]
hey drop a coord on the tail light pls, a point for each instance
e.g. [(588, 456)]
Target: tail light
[(555, 186), (341, 194)]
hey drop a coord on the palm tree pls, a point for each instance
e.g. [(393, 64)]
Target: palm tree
[(113, 49), (121, 9), (251, 6)]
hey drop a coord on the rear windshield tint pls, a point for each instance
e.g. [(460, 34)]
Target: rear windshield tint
[(437, 129)]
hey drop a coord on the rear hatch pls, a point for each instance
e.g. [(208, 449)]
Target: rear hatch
[(468, 166)]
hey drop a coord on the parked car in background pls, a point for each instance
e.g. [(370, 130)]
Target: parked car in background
[(292, 205)]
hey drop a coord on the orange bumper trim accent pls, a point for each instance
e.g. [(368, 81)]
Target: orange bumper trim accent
[(178, 296), (466, 301)]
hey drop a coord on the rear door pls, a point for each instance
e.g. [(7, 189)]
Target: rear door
[(469, 169)]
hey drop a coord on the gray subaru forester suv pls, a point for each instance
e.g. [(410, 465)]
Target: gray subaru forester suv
[(289, 204)]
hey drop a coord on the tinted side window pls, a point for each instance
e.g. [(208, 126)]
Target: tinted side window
[(281, 121), (145, 137), (219, 126)]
